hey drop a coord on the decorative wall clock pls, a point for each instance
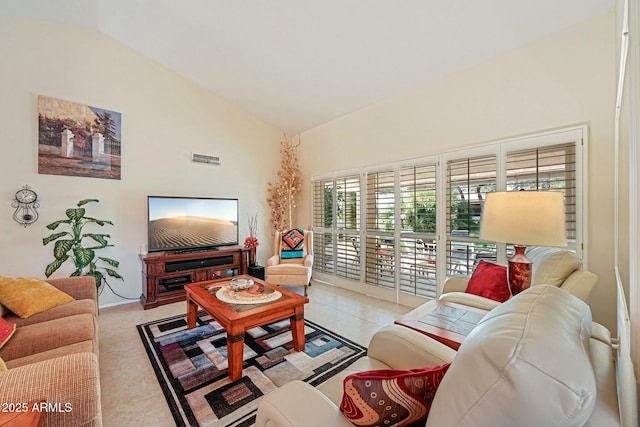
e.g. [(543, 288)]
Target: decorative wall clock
[(26, 203)]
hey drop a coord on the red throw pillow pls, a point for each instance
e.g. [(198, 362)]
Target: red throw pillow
[(6, 331), (489, 280), (395, 397)]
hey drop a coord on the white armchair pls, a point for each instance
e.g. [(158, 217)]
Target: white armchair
[(294, 270), (551, 266)]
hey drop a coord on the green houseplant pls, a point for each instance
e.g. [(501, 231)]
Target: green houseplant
[(71, 244)]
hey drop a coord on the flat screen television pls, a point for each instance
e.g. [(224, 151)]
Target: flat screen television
[(186, 224)]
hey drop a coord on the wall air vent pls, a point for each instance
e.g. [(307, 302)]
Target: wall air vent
[(203, 158)]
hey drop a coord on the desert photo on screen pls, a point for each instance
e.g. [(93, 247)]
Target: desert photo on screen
[(190, 231)]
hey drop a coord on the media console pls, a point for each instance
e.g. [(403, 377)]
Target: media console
[(164, 274)]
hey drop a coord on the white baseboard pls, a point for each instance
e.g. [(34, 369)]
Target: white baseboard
[(113, 304)]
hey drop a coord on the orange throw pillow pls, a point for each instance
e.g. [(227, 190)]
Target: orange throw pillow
[(489, 280), (26, 297)]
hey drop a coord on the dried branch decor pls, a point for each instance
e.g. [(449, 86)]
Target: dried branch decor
[(283, 192)]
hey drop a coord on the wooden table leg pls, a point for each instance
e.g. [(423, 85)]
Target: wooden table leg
[(297, 329), (235, 355), (192, 314)]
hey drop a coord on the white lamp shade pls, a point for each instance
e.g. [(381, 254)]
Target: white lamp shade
[(531, 218)]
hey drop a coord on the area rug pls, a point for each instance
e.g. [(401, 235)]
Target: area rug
[(191, 366)]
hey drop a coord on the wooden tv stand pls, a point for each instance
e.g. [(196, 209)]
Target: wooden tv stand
[(164, 274)]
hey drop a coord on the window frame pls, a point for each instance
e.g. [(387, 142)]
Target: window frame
[(499, 148), (332, 233)]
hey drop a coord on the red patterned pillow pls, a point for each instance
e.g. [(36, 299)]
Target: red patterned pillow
[(390, 397), (489, 280), (6, 331)]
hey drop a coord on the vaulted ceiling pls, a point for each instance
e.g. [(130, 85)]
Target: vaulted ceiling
[(300, 63)]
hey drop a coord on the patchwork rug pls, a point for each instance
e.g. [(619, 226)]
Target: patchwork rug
[(191, 366)]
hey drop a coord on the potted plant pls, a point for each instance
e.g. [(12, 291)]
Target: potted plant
[(71, 245)]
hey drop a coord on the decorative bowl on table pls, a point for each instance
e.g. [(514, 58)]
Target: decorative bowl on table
[(240, 283)]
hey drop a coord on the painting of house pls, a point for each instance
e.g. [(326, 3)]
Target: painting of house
[(78, 140)]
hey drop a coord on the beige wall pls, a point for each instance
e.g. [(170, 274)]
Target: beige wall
[(564, 79), (164, 119), (628, 159)]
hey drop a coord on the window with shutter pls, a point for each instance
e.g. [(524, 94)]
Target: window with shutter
[(468, 180), (396, 244), (548, 168), (336, 224), (380, 227), (323, 206), (418, 230), (323, 252), (348, 227)]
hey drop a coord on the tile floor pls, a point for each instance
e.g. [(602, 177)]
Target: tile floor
[(131, 395)]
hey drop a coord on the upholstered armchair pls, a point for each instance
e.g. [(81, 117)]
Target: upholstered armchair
[(292, 261), (551, 266)]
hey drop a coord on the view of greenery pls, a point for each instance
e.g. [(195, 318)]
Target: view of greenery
[(418, 213)]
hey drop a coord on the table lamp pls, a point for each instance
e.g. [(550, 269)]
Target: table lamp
[(533, 218)]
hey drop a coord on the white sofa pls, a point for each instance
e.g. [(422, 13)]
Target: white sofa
[(551, 266), (535, 360)]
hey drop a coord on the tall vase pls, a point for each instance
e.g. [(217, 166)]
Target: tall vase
[(252, 257)]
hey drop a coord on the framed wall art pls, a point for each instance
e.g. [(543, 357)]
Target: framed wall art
[(78, 140)]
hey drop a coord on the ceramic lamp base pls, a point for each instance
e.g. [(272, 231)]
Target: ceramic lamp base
[(252, 257), (519, 271)]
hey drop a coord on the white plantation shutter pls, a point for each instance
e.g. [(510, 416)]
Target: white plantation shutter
[(348, 203), (336, 225), (550, 168), (380, 201), (468, 180), (395, 243), (323, 252), (323, 196), (323, 204), (380, 261), (348, 227), (418, 230), (379, 247)]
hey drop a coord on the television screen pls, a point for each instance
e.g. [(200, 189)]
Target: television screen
[(191, 223)]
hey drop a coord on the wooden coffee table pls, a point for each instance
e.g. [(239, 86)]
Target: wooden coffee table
[(23, 415), (443, 321), (236, 319)]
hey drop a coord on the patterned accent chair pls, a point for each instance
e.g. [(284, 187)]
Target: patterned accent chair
[(292, 261)]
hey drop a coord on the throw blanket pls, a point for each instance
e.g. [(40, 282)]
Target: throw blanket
[(292, 245)]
